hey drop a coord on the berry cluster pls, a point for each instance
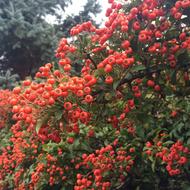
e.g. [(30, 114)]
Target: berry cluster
[(85, 127)]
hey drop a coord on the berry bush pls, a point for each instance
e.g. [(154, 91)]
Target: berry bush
[(114, 114)]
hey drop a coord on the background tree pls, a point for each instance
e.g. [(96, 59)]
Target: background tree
[(91, 9), (7, 79), (27, 39)]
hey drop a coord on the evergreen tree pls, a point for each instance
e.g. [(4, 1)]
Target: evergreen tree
[(8, 80), (91, 8)]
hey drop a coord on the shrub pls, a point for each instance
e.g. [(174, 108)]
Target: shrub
[(122, 122)]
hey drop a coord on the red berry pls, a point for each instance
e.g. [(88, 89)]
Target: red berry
[(87, 90), (67, 105), (108, 68), (125, 44), (109, 80), (157, 88), (27, 109), (67, 67), (88, 98), (13, 101), (70, 140), (17, 90), (26, 82), (174, 113), (150, 83)]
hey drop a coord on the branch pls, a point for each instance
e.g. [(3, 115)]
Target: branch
[(142, 73), (93, 62), (153, 69)]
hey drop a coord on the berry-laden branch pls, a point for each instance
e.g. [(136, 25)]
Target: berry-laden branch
[(153, 69)]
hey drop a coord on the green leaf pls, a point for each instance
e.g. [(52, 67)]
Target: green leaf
[(41, 122), (186, 186), (137, 68), (58, 115), (168, 142), (49, 147), (115, 84), (85, 146), (76, 144), (140, 131), (173, 77), (188, 133), (45, 147), (153, 165), (188, 141), (151, 158), (179, 127), (39, 125)]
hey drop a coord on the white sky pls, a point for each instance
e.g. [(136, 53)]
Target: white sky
[(77, 6)]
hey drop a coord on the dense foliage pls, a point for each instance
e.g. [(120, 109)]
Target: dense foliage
[(120, 121)]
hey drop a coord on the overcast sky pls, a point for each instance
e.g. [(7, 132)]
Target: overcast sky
[(77, 6)]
